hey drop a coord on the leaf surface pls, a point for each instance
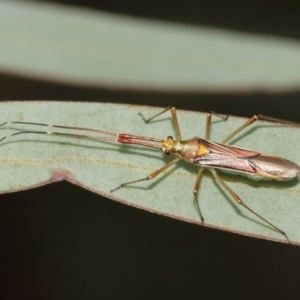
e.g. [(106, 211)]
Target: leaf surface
[(31, 160), (79, 46)]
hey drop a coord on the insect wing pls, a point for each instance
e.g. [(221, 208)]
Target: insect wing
[(274, 167), (255, 164)]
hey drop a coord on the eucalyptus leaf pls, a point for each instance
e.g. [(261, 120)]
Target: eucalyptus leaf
[(79, 46), (31, 160)]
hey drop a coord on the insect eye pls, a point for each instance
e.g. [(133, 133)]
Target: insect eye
[(167, 152), (170, 137)]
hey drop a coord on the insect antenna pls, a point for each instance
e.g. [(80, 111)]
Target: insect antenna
[(112, 136)]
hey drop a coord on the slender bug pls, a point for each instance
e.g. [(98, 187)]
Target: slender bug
[(197, 151)]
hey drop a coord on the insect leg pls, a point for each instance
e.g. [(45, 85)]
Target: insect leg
[(174, 118), (200, 173), (266, 118), (195, 192), (208, 123), (151, 176), (249, 122), (239, 201)]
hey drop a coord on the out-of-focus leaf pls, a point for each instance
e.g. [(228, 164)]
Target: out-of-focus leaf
[(100, 49)]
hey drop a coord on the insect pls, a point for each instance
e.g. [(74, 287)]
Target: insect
[(197, 151)]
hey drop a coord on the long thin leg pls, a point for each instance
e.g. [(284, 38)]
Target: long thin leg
[(208, 126), (239, 201), (267, 118), (254, 119), (249, 122), (195, 192), (200, 172), (174, 118), (208, 122), (151, 176)]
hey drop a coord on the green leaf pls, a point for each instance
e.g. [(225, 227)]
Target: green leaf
[(79, 46), (31, 160)]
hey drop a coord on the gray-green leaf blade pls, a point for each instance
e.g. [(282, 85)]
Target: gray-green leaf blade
[(100, 49), (30, 160)]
